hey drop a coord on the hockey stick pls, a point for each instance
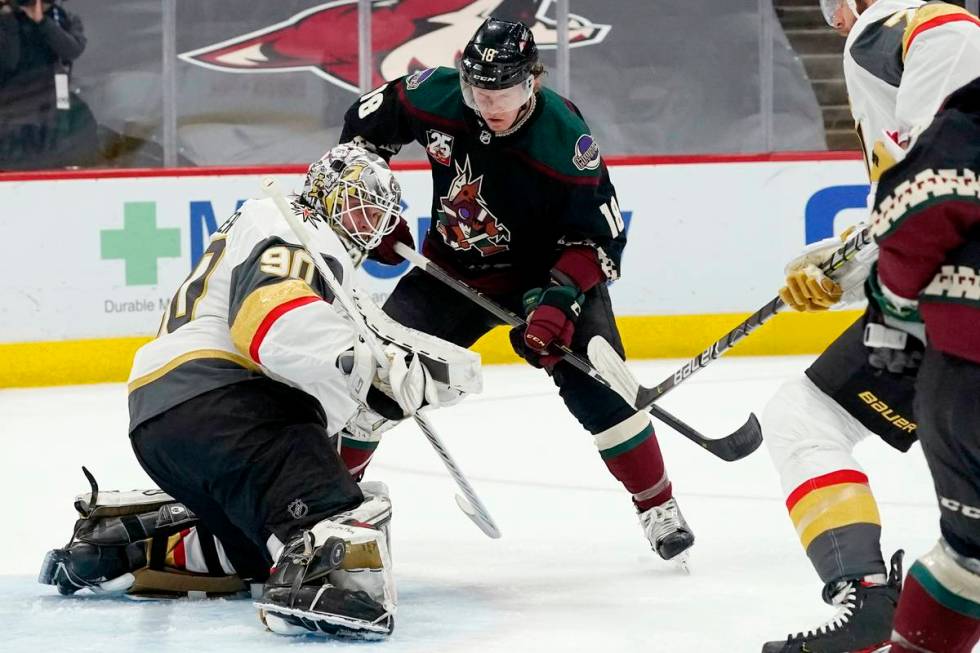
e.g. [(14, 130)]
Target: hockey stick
[(471, 505), (734, 446), (605, 358)]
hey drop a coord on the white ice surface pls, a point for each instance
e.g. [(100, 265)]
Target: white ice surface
[(572, 572)]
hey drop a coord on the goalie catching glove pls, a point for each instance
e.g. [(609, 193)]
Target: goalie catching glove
[(401, 378), (809, 289), (419, 370)]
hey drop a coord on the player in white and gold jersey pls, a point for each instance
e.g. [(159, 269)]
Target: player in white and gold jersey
[(236, 409), (902, 58)]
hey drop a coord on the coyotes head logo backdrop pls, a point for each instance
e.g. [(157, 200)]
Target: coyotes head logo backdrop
[(406, 36)]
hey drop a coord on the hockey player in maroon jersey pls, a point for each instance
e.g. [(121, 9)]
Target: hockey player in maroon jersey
[(902, 58), (927, 225), (522, 210)]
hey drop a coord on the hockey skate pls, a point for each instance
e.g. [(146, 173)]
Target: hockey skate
[(863, 623), (668, 532)]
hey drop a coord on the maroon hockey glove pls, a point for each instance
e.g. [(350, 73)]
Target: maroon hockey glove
[(551, 316), (385, 251), (517, 342)]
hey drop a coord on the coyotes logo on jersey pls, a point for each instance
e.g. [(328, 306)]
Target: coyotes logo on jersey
[(465, 222)]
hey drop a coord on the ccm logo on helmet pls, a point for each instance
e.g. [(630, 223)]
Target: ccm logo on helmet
[(952, 504)]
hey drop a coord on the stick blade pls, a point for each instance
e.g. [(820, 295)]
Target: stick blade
[(738, 444), (613, 369), (482, 522)]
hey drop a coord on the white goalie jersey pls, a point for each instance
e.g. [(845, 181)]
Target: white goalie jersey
[(902, 58), (254, 305)]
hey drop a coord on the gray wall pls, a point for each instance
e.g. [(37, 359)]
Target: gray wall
[(651, 77)]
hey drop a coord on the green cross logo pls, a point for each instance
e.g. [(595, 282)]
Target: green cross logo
[(139, 243)]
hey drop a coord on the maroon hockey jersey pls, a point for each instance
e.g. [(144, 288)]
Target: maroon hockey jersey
[(927, 224)]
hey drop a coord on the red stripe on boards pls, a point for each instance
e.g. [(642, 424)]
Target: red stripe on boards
[(397, 166)]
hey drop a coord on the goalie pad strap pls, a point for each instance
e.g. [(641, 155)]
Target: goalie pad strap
[(209, 551), (157, 555)]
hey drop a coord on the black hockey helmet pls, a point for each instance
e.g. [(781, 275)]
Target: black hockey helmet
[(500, 55)]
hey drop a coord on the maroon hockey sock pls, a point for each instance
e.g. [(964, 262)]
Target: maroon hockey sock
[(356, 455), (932, 617), (632, 453)]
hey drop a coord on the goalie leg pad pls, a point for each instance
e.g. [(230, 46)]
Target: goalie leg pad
[(335, 579), (125, 541)]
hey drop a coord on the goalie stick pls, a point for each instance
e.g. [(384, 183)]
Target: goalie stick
[(610, 365), (734, 446), (471, 505)]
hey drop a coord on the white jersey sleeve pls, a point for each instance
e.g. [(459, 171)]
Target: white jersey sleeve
[(902, 58), (941, 46)]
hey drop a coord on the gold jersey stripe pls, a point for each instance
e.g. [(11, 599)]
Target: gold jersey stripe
[(197, 354), (257, 306)]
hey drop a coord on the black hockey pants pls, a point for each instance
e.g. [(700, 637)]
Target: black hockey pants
[(251, 460), (947, 405)]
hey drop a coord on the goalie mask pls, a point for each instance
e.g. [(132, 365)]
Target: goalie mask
[(355, 191)]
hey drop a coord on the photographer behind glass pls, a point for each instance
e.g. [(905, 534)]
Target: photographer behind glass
[(42, 125)]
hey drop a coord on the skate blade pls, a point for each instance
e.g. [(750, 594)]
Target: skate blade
[(681, 562)]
